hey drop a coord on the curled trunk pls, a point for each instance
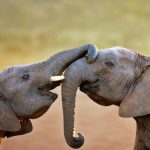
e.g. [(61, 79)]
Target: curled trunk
[(59, 62), (77, 73), (56, 64)]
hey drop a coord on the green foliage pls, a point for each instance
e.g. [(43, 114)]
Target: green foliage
[(35, 29)]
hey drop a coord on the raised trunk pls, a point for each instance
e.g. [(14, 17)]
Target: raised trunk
[(56, 64), (77, 73), (59, 62)]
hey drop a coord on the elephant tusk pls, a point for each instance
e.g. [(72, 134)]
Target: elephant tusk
[(56, 78)]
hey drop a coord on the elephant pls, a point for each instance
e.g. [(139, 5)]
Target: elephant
[(25, 90), (118, 76)]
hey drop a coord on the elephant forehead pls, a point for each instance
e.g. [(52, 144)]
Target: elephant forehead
[(107, 53), (8, 72), (122, 52), (13, 69), (119, 53)]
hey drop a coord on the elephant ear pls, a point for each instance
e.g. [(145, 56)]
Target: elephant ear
[(138, 102), (8, 120)]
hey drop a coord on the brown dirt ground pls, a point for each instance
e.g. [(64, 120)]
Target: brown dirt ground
[(102, 127)]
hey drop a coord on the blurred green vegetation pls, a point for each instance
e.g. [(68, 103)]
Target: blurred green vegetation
[(32, 30)]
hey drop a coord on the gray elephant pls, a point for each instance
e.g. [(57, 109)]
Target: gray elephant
[(118, 77), (25, 90)]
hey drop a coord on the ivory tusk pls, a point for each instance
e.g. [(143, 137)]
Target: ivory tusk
[(57, 78)]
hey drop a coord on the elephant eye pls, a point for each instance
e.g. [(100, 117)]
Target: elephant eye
[(109, 64), (26, 77)]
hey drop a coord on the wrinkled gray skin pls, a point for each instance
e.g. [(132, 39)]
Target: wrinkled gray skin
[(25, 90), (118, 76)]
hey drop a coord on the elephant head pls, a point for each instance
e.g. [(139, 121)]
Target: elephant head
[(118, 76), (25, 90)]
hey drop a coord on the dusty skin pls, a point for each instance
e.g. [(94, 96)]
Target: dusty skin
[(102, 127)]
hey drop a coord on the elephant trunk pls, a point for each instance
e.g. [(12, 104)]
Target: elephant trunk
[(77, 73), (56, 64), (59, 62)]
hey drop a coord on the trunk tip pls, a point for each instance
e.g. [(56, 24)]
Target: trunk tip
[(92, 53), (77, 142)]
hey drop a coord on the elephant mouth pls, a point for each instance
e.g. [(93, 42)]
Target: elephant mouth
[(53, 82), (92, 94), (86, 88), (45, 90), (47, 97)]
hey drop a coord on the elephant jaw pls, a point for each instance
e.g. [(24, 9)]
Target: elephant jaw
[(44, 91), (39, 112), (92, 94)]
